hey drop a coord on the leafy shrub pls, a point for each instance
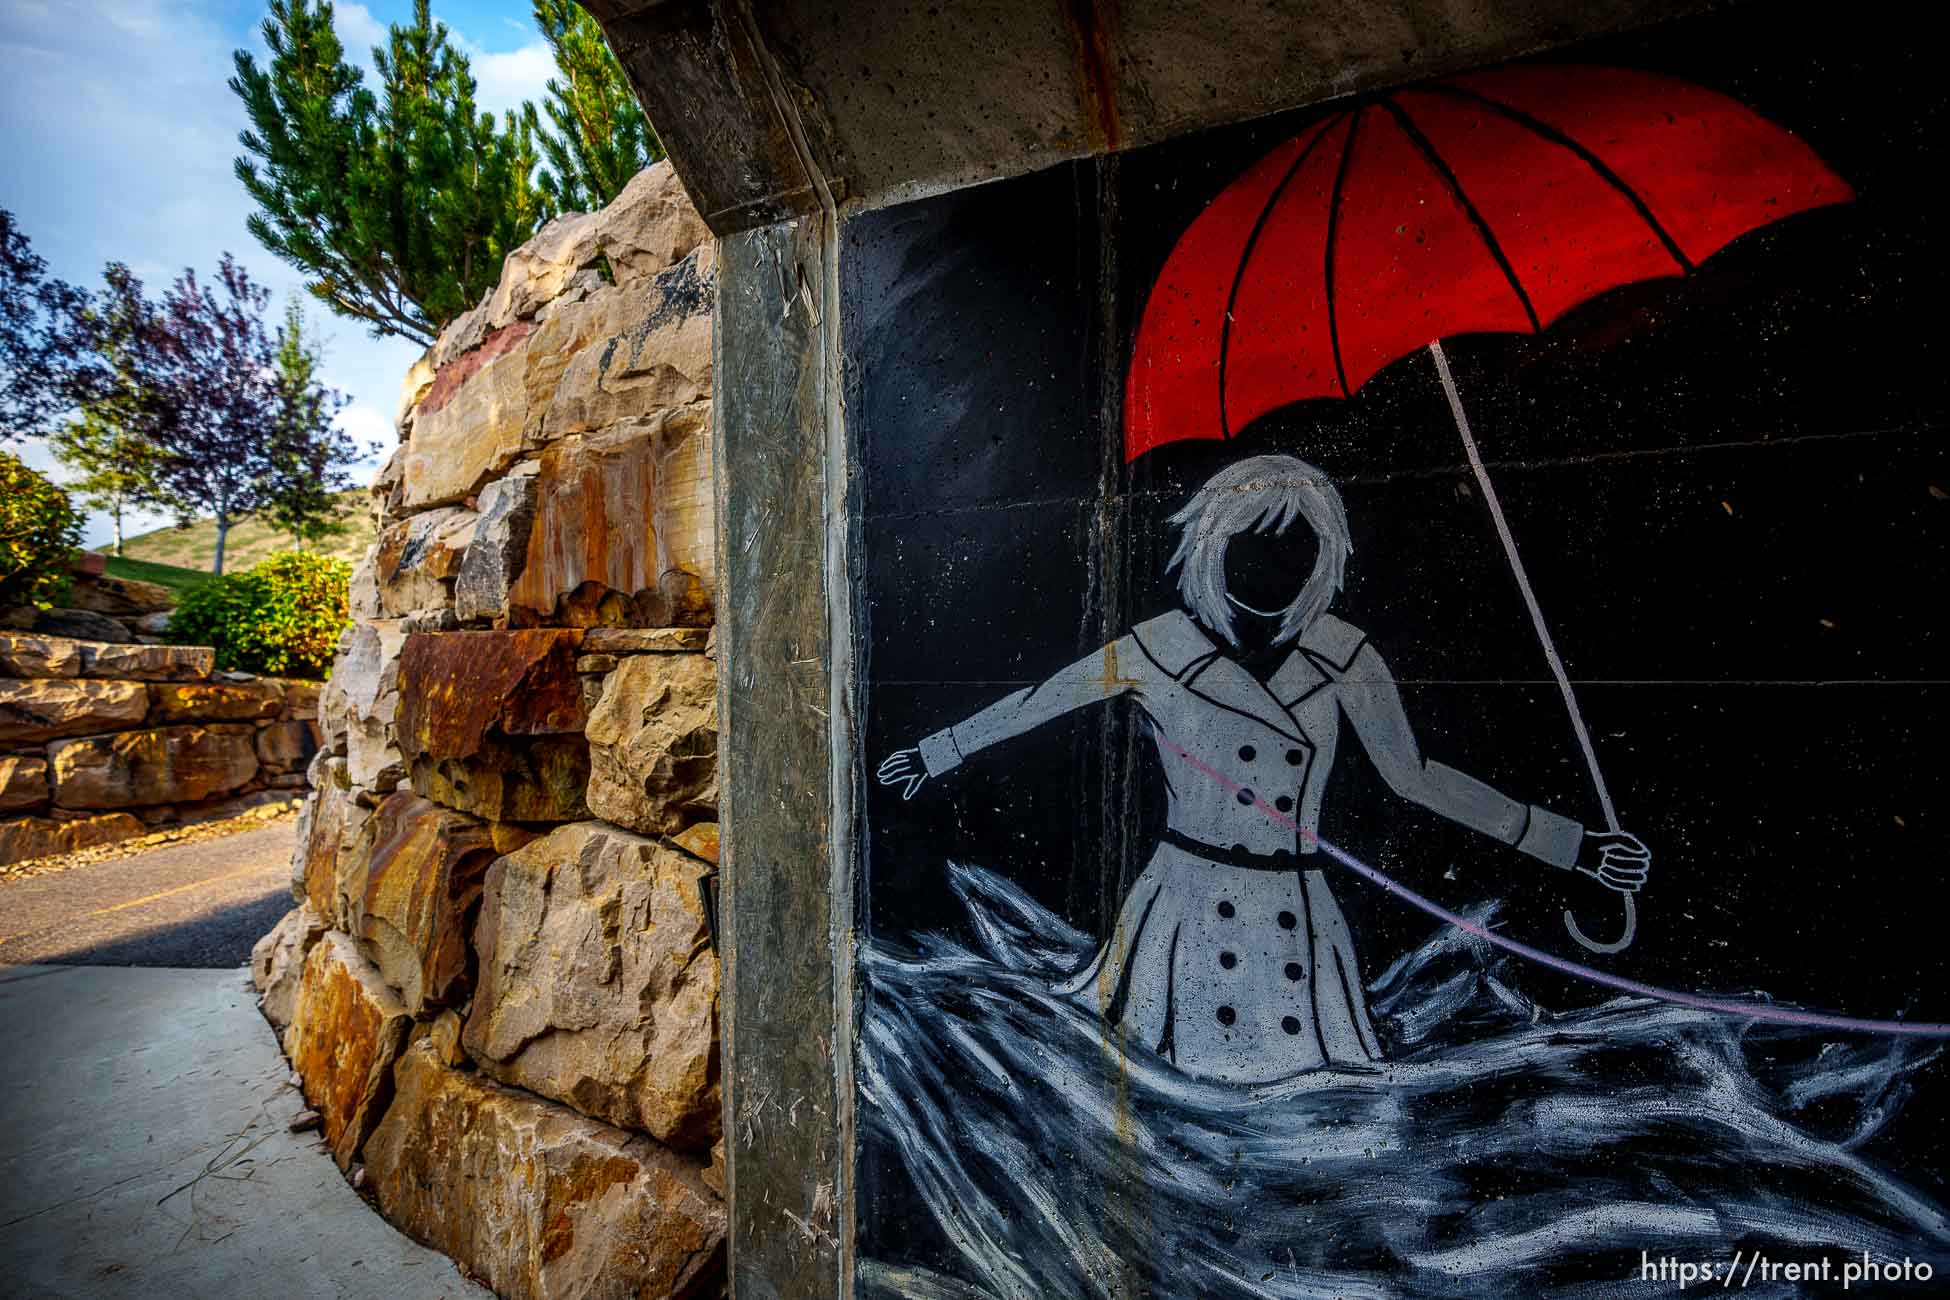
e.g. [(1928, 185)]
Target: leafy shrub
[(39, 530), (282, 616)]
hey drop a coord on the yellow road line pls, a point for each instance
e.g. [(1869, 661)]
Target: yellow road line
[(167, 893)]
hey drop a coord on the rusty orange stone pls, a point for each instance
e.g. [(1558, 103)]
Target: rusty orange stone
[(459, 688), (346, 1030), (422, 882), (536, 1200)]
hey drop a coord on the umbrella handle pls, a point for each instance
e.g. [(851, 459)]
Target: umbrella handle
[(1624, 940)]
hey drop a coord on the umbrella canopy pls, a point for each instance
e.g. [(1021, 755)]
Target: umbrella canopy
[(1492, 201)]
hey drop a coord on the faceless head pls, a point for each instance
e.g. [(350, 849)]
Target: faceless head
[(1266, 535)]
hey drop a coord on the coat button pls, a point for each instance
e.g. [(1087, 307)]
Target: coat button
[(1247, 753), (1226, 910), (1290, 1023), (1295, 758), (1228, 960), (1288, 920), (1246, 796), (1284, 803), (1293, 971), (1227, 1015)]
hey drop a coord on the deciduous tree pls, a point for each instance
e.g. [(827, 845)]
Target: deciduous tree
[(235, 434), (45, 360)]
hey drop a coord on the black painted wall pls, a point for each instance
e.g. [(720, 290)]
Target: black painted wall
[(1731, 490)]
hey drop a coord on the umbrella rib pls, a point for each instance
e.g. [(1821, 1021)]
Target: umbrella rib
[(1246, 256), (1598, 165), (1483, 231), (1333, 235)]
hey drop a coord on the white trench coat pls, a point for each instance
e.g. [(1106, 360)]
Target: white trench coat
[(1245, 971)]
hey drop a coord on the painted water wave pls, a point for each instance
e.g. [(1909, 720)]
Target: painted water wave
[(1504, 1151)]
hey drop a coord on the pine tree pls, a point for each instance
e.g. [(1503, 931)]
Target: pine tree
[(308, 510), (114, 468), (599, 137), (399, 205)]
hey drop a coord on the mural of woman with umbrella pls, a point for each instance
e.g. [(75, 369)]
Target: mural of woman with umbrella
[(1230, 956), (1197, 1101)]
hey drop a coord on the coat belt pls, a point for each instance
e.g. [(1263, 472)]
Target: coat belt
[(1238, 855)]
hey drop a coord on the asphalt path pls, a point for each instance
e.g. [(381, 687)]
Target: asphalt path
[(199, 904)]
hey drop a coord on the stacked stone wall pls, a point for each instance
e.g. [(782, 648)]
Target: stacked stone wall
[(498, 987), (102, 742)]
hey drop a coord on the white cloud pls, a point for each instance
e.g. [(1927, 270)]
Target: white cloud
[(360, 33), (505, 80), (120, 136), (357, 28), (370, 427)]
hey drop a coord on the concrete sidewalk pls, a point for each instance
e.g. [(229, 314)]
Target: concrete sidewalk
[(144, 1152)]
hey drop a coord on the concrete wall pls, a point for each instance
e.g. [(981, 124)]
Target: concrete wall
[(1143, 1009), (498, 986)]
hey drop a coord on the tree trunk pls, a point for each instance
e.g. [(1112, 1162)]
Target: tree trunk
[(223, 531), (118, 532)]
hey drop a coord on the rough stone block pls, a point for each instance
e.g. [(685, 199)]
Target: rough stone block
[(469, 427), (597, 985), (536, 1200), (80, 624), (301, 700), (414, 894), (286, 747), (419, 378), (653, 744), (23, 784), (278, 962), (167, 765), (498, 548), (490, 723), (622, 532), (700, 840), (655, 358), (644, 640), (120, 597), (362, 588), (651, 225), (244, 701), (40, 837), (44, 710), (346, 1031), (25, 655), (361, 703), (148, 663), (536, 273), (417, 557), (330, 843)]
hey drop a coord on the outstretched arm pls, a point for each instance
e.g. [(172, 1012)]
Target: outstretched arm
[(1373, 703), (1104, 674)]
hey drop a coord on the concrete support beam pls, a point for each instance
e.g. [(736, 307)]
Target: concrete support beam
[(784, 698)]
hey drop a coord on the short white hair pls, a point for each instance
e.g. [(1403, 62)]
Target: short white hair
[(1261, 494)]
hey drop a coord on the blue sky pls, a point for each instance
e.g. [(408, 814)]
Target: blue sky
[(119, 136)]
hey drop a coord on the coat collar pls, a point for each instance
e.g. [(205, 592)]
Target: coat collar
[(1182, 649)]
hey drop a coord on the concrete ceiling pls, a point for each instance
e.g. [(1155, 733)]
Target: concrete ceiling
[(766, 107)]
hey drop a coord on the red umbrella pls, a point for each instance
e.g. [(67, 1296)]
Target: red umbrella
[(1492, 201)]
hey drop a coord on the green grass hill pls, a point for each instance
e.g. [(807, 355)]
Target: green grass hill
[(174, 550)]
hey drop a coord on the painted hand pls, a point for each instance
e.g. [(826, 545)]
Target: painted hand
[(904, 767), (1615, 859)]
